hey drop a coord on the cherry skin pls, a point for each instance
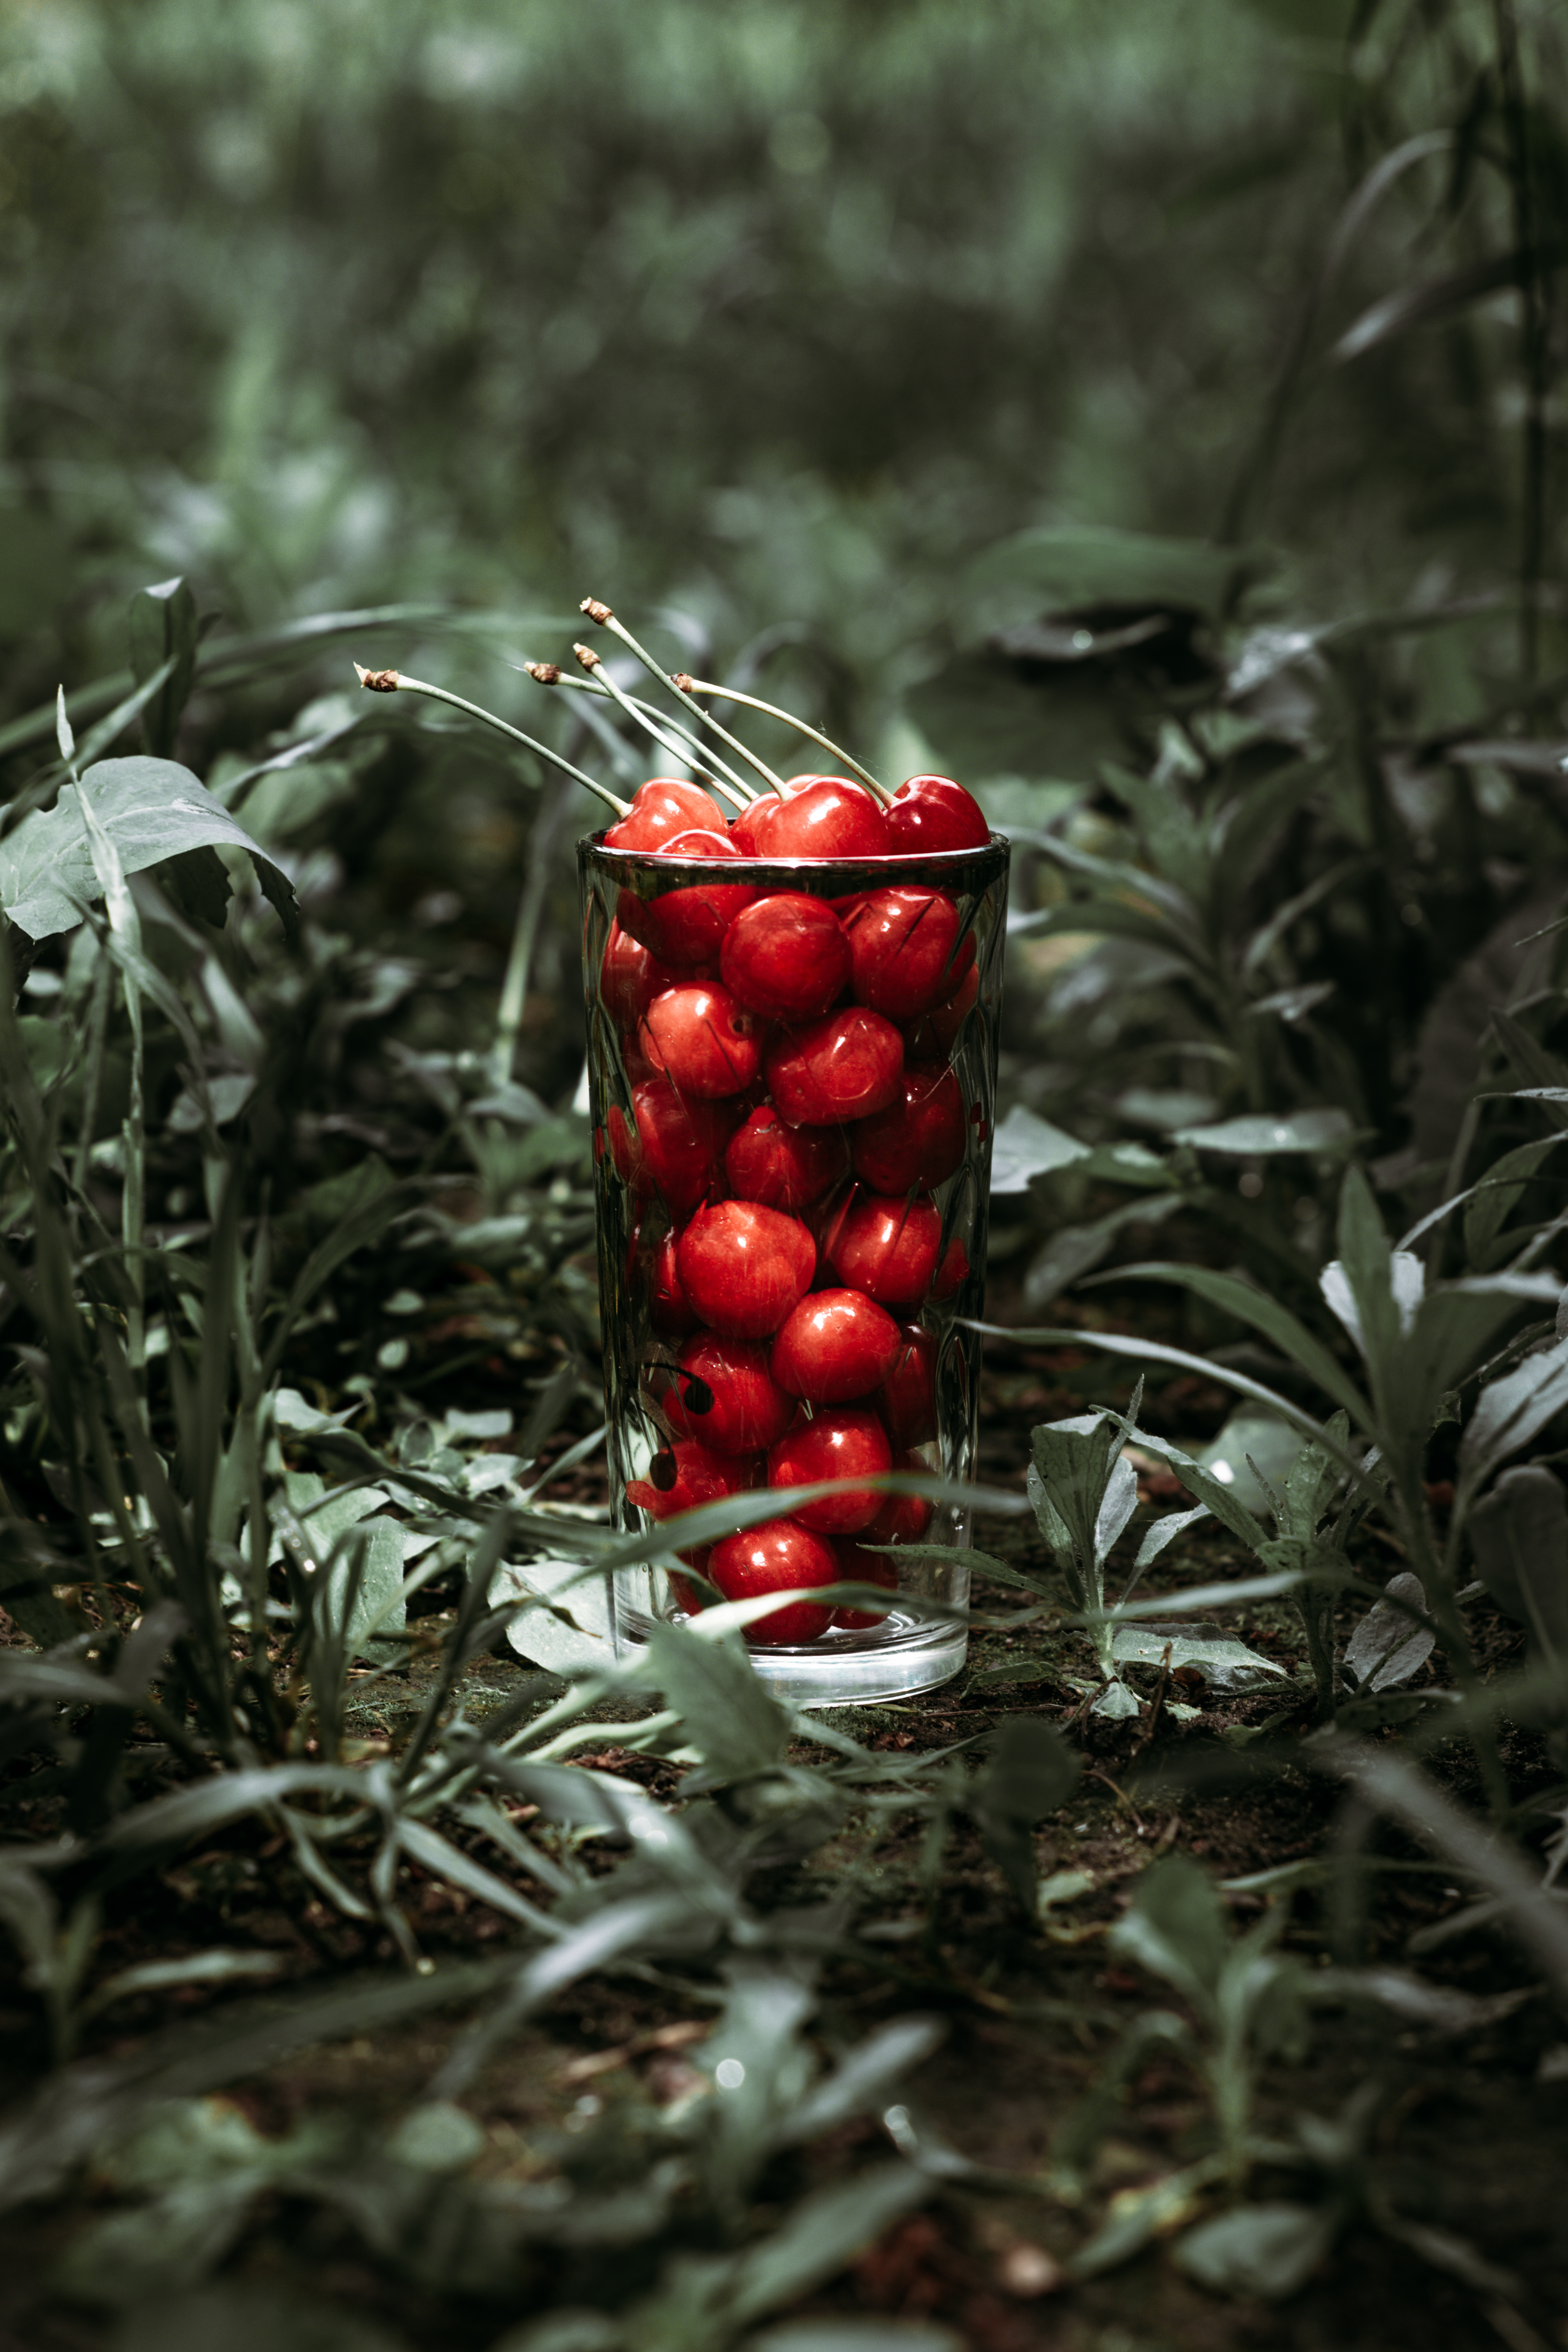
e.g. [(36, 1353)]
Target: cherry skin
[(694, 1475), (937, 1031), (724, 1393), (844, 1442), (663, 805), (674, 1147), (743, 1267), (779, 1556), (917, 1141), (783, 1167), (702, 1039), (903, 1518), (687, 926), (630, 977), (828, 817), (933, 812), (669, 1311), (908, 1398), (859, 1566), (906, 950), (886, 1248), (786, 956), (748, 831), (843, 1066), (835, 1345), (953, 1271)]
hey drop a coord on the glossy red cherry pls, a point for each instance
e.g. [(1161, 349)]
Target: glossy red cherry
[(675, 1147), (828, 817), (669, 1311), (887, 1248), (748, 831), (723, 1392), (859, 1566), (686, 927), (903, 1518), (783, 1167), (843, 1066), (663, 805), (843, 1443), (681, 1477), (835, 1345), (933, 812), (906, 951), (630, 977), (744, 1266), (937, 1031), (918, 1141), (786, 956), (781, 1556), (704, 1042), (953, 1271), (908, 1398)]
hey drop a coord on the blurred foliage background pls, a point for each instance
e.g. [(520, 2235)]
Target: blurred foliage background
[(766, 323)]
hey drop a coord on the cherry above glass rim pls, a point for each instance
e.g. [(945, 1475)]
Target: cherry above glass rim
[(974, 869)]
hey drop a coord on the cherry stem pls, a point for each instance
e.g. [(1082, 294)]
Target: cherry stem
[(771, 709), (394, 681), (666, 742), (734, 789), (606, 620)]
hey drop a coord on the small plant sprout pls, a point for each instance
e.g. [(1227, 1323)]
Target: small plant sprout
[(393, 681)]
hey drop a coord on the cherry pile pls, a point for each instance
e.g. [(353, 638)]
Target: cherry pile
[(793, 1111)]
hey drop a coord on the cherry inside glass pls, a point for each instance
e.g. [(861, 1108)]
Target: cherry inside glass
[(792, 1076)]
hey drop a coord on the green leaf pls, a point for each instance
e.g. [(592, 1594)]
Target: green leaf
[(1269, 2250), (1067, 568), (1430, 298), (1494, 1199), (856, 2335), (1026, 1145), (1251, 1449), (1074, 1465), (1511, 1411), (821, 2235), (1306, 1130), (1031, 1772), (1249, 1304), (1388, 1647), (1074, 1251), (1219, 1658), (1519, 1534), (1175, 1927), (727, 1713), (1202, 1483), (1136, 2217), (151, 810), (165, 628), (243, 2316)]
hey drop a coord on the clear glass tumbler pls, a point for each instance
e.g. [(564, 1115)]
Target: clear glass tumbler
[(793, 1074)]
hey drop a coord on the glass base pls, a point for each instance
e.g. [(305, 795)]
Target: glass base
[(904, 1655)]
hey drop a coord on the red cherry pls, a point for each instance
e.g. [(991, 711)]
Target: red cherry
[(843, 1066), (682, 1478), (786, 956), (828, 817), (669, 1306), (917, 1141), (937, 1032), (750, 830), (933, 812), (846, 1441), (724, 1393), (906, 949), (630, 977), (903, 1518), (886, 1249), (663, 805), (783, 1167), (859, 1566), (702, 1041), (781, 1556), (686, 927), (908, 1399), (676, 1146), (744, 1266), (953, 1271), (835, 1346)]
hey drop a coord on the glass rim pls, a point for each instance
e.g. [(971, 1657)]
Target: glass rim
[(980, 866)]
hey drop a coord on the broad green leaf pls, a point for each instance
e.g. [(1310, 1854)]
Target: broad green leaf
[(1062, 568), (1388, 1647), (1519, 1534), (821, 2234), (1074, 1462), (1227, 1664), (1269, 2250), (1305, 1130), (1175, 1927), (1493, 1199), (726, 1711), (1026, 1145), (1252, 1446), (149, 809), (1073, 1251), (1164, 1531), (1511, 1411), (1116, 1704), (1200, 1482)]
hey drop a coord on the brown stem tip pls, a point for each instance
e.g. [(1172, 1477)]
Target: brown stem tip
[(685, 681), (544, 673), (587, 656), (377, 681), (595, 611)]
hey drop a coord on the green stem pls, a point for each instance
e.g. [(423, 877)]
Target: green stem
[(531, 906), (734, 788), (665, 737), (788, 718), (393, 681), (606, 620)]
